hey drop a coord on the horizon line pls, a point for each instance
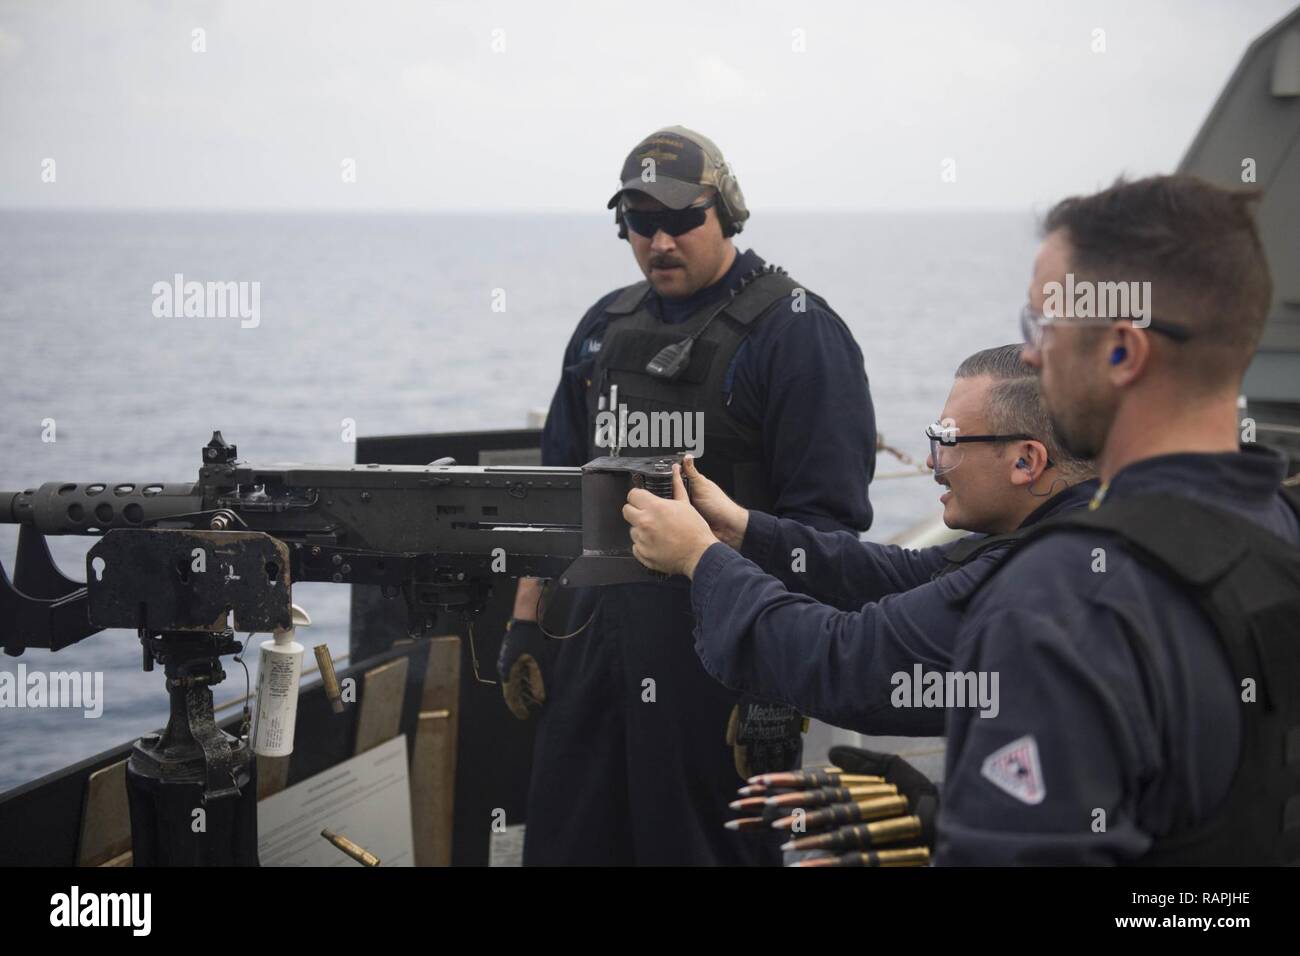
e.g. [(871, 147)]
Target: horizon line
[(450, 211)]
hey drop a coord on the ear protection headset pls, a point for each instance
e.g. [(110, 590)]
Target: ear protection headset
[(731, 201)]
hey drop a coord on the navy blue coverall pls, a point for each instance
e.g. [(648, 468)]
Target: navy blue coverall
[(1118, 700), (625, 771), (806, 639)]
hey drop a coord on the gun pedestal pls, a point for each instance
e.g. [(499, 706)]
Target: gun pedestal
[(192, 791)]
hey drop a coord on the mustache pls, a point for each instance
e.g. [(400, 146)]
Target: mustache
[(665, 262)]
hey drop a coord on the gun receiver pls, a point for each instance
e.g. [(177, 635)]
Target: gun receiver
[(442, 535)]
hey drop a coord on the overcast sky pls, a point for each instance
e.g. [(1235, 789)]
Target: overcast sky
[(532, 105)]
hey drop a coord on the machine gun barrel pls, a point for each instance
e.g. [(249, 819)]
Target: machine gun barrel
[(439, 534), (64, 507)]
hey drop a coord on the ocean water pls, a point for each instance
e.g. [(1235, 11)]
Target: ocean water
[(388, 320)]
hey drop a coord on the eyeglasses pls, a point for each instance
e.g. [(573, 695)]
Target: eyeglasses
[(1032, 323), (646, 222), (945, 445)]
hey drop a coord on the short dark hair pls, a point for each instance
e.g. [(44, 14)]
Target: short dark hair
[(1198, 246), (1015, 404), (1002, 362)]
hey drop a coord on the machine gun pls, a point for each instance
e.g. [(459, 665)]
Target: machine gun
[(188, 565)]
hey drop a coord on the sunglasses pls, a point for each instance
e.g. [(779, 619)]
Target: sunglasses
[(672, 221)]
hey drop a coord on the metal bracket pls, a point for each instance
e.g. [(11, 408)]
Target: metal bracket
[(165, 579)]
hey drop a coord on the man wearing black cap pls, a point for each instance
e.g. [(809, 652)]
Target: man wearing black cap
[(719, 354)]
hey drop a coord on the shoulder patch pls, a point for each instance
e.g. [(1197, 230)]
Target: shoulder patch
[(1015, 769)]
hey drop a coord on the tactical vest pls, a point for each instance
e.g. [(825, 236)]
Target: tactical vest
[(732, 450), (967, 549), (1247, 581)]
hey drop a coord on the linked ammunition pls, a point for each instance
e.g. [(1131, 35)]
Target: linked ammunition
[(907, 856), (873, 808), (808, 779), (860, 835), (828, 795), (757, 789), (358, 853)]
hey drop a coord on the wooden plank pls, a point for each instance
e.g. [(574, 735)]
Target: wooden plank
[(383, 694), (433, 767), (433, 761), (442, 675), (272, 775), (105, 818)]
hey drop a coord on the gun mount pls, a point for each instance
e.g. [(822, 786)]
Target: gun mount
[(189, 565)]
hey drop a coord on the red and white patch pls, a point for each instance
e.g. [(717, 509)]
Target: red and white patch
[(1015, 769)]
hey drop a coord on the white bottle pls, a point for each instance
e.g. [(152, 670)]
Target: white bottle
[(278, 671)]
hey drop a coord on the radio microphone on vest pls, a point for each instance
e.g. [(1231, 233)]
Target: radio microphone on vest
[(671, 360)]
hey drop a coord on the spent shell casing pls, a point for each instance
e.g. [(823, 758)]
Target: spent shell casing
[(906, 856), (828, 795), (860, 835), (328, 678), (358, 853), (838, 814)]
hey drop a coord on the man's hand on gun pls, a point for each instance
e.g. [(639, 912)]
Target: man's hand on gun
[(670, 536), (727, 520), (667, 536)]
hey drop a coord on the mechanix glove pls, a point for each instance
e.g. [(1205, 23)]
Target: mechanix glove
[(922, 794), (523, 664), (765, 737)]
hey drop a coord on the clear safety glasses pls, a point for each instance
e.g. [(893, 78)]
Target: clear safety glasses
[(1032, 323), (946, 443)]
